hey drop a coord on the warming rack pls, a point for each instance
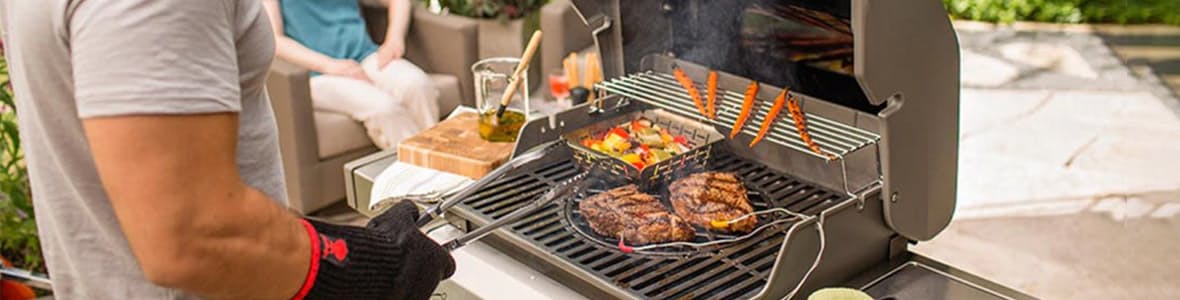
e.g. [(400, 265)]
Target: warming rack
[(662, 90)]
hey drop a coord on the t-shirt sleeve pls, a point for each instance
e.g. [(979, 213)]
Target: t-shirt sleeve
[(135, 57)]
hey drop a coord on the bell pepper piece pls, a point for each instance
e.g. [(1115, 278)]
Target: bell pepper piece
[(631, 158), (639, 165), (620, 132)]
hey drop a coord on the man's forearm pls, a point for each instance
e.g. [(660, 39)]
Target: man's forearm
[(253, 250), (190, 220), (399, 20)]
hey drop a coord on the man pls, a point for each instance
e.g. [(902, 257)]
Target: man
[(153, 157)]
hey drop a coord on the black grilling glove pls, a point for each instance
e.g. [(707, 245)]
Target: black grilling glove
[(388, 259)]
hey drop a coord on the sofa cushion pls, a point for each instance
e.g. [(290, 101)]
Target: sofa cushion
[(449, 94), (339, 133)]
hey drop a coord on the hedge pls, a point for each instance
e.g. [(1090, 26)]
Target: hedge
[(1067, 11)]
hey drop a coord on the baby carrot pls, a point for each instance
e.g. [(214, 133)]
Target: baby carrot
[(692, 89), (747, 105), (770, 117), (711, 94)]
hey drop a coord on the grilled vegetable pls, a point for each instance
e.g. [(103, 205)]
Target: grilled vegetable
[(691, 88), (711, 94), (639, 142), (747, 105), (801, 126), (770, 117)]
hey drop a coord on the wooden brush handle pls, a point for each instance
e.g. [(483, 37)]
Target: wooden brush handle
[(534, 42)]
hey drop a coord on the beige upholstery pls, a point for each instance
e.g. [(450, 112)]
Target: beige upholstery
[(316, 145), (449, 92), (338, 133)]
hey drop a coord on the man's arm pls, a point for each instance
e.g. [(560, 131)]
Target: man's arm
[(191, 221)]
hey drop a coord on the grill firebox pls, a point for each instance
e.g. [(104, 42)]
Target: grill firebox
[(736, 271)]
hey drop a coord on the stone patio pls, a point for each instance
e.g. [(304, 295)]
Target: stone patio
[(1069, 176)]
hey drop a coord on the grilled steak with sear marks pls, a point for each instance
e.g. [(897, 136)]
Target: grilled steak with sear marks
[(703, 197), (639, 218)]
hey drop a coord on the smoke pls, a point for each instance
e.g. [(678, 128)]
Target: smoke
[(745, 37)]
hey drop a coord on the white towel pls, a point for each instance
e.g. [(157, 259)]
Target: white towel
[(401, 179)]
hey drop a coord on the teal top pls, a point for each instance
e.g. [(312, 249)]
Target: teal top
[(332, 27)]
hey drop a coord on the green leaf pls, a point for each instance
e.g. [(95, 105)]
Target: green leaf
[(1067, 11)]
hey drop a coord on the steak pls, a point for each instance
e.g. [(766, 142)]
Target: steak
[(704, 197), (637, 217)]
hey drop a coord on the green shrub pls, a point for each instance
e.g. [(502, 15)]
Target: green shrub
[(491, 9), (1067, 11), (18, 229)]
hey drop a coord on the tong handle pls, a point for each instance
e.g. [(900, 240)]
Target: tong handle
[(436, 210)]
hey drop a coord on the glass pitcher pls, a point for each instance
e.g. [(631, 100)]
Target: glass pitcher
[(492, 77)]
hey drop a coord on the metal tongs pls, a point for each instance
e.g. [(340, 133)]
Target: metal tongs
[(536, 153), (563, 190)]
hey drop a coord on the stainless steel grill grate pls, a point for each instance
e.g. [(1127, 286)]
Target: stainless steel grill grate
[(740, 270), (662, 90)]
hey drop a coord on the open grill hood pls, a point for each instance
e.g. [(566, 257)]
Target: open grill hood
[(900, 81)]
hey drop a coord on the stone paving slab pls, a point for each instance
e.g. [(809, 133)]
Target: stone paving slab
[(1020, 146), (1044, 60), (1082, 255), (1069, 183)]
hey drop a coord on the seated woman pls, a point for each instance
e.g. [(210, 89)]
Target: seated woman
[(392, 97)]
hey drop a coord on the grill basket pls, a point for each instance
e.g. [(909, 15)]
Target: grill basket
[(701, 139)]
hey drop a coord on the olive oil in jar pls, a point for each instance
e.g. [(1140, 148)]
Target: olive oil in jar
[(503, 129)]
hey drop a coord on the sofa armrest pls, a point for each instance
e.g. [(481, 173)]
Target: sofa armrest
[(290, 98), (564, 33)]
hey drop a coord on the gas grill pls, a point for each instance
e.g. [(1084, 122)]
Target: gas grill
[(878, 83)]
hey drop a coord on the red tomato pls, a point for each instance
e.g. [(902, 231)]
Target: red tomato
[(681, 140)]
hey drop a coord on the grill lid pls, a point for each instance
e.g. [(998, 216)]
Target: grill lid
[(903, 53)]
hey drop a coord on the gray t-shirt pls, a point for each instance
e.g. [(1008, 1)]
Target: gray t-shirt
[(72, 59)]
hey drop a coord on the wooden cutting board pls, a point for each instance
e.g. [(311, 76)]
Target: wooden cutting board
[(454, 146)]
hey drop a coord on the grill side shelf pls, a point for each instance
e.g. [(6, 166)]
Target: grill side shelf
[(737, 271)]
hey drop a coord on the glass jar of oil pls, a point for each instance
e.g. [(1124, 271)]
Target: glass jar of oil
[(500, 129), (492, 77)]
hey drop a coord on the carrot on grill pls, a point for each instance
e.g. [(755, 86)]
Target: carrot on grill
[(711, 95), (692, 89), (770, 117), (801, 126), (747, 105)]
